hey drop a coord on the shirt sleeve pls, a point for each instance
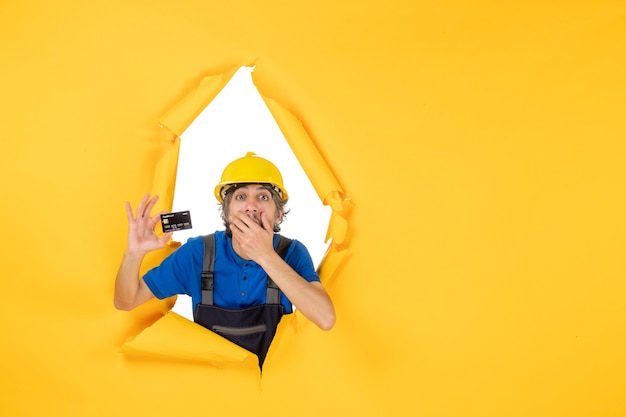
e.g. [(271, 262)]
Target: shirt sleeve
[(299, 259), (178, 272)]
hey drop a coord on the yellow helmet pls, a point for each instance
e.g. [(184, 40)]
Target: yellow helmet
[(250, 169)]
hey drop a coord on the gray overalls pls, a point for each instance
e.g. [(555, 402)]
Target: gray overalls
[(252, 328)]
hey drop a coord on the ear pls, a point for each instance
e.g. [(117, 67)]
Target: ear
[(279, 217), (224, 212), (277, 221)]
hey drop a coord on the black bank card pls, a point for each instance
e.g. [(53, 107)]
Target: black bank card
[(172, 222)]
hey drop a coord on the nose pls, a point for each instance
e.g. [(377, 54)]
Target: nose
[(251, 205)]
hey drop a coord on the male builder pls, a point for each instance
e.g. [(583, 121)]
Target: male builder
[(255, 274)]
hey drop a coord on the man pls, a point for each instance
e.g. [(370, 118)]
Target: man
[(230, 297)]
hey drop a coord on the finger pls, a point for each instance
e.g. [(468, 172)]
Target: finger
[(150, 205), (155, 219), (142, 205), (157, 216), (234, 228), (239, 221), (129, 213), (165, 238), (244, 220), (266, 224)]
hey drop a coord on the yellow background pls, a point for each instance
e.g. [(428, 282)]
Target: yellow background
[(481, 143)]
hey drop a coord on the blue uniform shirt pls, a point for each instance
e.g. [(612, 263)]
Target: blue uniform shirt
[(239, 283)]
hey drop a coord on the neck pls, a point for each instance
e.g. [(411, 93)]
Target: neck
[(238, 250)]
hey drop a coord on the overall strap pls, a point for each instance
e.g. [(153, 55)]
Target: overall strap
[(208, 266), (273, 292)]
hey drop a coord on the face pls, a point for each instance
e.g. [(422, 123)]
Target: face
[(253, 200)]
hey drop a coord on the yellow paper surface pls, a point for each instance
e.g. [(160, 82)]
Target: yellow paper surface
[(175, 337), (472, 152)]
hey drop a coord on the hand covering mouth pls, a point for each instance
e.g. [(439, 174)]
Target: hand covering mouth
[(256, 217)]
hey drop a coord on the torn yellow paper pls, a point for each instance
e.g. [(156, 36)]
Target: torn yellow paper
[(164, 181), (175, 337), (319, 172), (487, 280), (152, 341), (185, 111)]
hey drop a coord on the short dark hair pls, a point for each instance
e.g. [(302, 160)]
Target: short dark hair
[(276, 198)]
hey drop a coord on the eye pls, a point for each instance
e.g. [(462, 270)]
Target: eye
[(240, 197), (264, 197)]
